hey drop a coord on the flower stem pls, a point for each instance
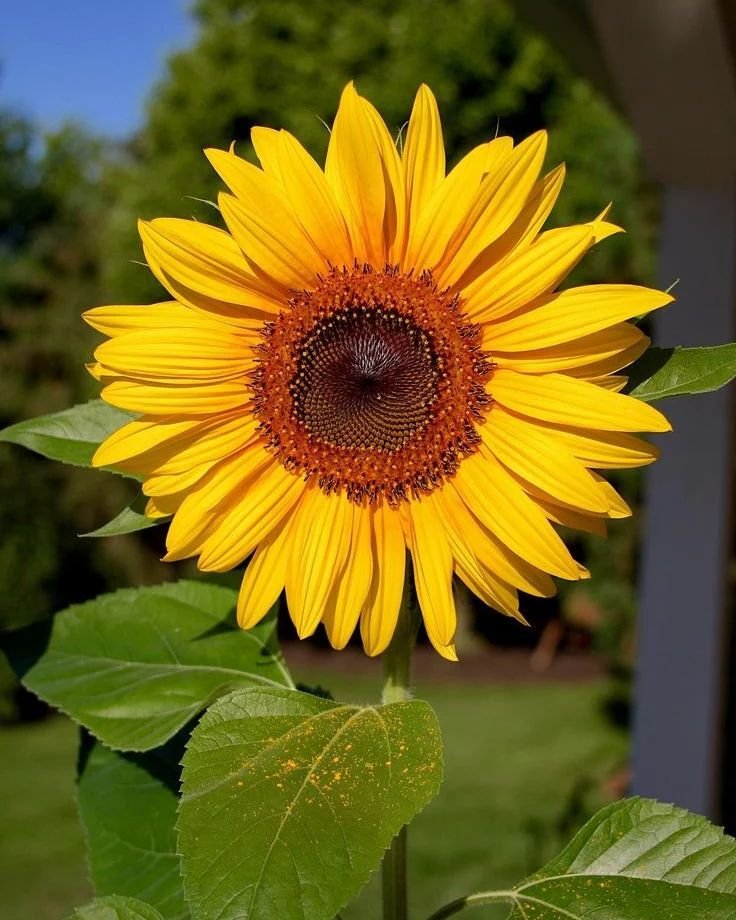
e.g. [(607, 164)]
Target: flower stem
[(475, 900), (397, 675)]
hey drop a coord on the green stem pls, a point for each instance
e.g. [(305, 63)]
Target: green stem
[(474, 900), (397, 675)]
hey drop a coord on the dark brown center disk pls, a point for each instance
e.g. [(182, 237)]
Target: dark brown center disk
[(366, 379)]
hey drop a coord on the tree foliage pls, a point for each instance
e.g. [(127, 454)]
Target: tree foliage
[(51, 204), (284, 65)]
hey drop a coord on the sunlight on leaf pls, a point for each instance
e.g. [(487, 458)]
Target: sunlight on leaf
[(635, 860), (289, 801), (71, 436), (135, 666), (116, 908), (664, 372)]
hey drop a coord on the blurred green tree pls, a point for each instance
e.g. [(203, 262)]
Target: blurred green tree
[(53, 199), (283, 63)]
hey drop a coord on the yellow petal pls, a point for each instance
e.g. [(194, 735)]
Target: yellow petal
[(348, 597), (523, 230), (381, 612), (153, 510), (557, 398), (266, 143), (214, 441), (491, 590), (219, 441), (448, 207), (272, 220), (497, 203), (246, 181), (203, 268), (487, 549), (432, 560), (121, 319), (144, 434), (212, 499), (485, 584), (157, 485), (260, 505), (265, 576), (177, 355), (272, 241), (617, 506), (609, 382), (574, 313), (189, 538), (460, 546), (522, 277), (569, 517), (229, 479), (447, 651), (313, 202), (540, 496), (505, 509), (423, 156), (238, 318), (394, 214), (167, 504), (320, 546), (355, 172), (622, 342), (538, 460), (542, 199), (602, 449), (137, 396), (605, 366)]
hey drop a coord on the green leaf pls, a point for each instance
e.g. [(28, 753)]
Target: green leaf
[(664, 372), (116, 908), (643, 838), (135, 666), (639, 858), (621, 899), (128, 807), (129, 520), (289, 801), (71, 436), (635, 860)]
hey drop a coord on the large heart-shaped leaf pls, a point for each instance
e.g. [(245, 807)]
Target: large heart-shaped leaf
[(71, 436), (289, 801), (135, 666), (116, 908), (664, 372), (128, 806), (635, 860)]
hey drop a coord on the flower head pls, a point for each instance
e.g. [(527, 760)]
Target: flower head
[(374, 358)]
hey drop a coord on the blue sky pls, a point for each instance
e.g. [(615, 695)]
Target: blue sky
[(90, 60)]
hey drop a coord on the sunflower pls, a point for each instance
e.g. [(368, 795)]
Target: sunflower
[(374, 358)]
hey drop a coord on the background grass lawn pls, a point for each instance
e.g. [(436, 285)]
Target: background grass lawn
[(525, 765)]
